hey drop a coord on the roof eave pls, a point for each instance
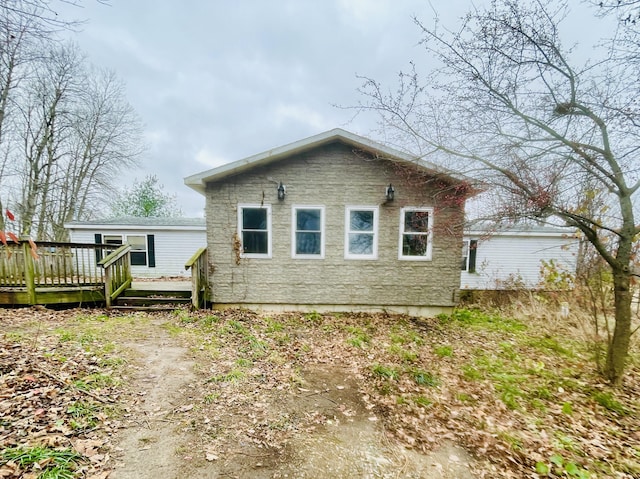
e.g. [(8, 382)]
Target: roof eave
[(198, 182)]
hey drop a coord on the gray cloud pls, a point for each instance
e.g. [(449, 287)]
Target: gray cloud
[(216, 81)]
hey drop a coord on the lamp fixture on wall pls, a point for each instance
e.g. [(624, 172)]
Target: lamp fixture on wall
[(282, 191), (389, 192)]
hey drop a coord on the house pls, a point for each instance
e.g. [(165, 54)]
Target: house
[(159, 246), (513, 257), (491, 259), (333, 222)]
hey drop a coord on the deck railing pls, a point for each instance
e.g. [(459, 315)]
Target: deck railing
[(199, 265), (51, 264), (117, 273)]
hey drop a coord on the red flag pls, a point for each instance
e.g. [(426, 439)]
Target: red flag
[(9, 214)]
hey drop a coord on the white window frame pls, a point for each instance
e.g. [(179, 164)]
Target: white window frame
[(241, 208), (466, 258), (428, 253), (294, 224), (145, 250), (347, 232), (124, 239)]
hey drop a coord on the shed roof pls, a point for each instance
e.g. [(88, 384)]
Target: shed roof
[(488, 228), (199, 181), (133, 222)]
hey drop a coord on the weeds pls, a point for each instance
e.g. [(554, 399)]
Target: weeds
[(84, 414), (424, 378), (387, 372), (359, 338), (478, 319), (405, 355), (422, 401), (443, 351), (607, 401), (233, 376), (44, 462)]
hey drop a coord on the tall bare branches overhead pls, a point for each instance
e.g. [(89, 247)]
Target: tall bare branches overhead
[(509, 103), (66, 129)]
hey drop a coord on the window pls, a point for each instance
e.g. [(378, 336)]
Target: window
[(415, 233), (308, 232), (115, 240), (465, 255), (142, 247), (469, 248), (361, 233), (138, 245), (254, 225)]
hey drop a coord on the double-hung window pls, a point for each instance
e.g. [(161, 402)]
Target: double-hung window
[(138, 245), (308, 232), (361, 232), (138, 249), (469, 248), (254, 229), (416, 225)]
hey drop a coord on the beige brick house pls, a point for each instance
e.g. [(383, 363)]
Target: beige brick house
[(334, 222)]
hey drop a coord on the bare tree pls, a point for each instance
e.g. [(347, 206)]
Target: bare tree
[(45, 114), (105, 141), (507, 104), (26, 27), (76, 133), (18, 35)]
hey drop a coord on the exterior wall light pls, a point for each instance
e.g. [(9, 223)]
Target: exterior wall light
[(389, 192), (282, 191)]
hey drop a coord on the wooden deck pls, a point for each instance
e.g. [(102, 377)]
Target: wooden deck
[(82, 274)]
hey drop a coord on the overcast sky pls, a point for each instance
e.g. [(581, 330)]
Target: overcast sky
[(215, 81)]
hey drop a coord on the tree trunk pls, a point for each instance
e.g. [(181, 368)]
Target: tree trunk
[(619, 345)]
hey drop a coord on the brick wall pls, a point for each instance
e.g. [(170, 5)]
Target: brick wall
[(333, 176)]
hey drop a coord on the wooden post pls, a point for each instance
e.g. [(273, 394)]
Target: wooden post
[(107, 286), (29, 273), (199, 277), (195, 288)]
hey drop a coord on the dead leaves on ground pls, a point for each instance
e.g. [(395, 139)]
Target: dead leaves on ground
[(521, 403), (518, 400), (54, 397)]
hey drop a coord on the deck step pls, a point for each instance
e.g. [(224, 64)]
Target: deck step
[(148, 292), (157, 307), (152, 300)]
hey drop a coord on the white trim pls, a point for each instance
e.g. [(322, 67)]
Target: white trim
[(241, 207), (429, 234), (97, 227), (569, 233), (124, 239), (466, 262), (347, 232), (294, 217)]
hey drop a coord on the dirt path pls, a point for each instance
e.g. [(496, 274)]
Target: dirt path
[(164, 433), (147, 447)]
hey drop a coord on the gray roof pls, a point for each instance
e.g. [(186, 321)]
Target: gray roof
[(520, 229), (199, 181), (130, 222)]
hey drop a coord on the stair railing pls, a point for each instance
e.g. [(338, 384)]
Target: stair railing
[(200, 288), (117, 273)]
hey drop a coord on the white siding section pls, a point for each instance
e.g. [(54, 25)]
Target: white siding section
[(503, 259), (173, 248)]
